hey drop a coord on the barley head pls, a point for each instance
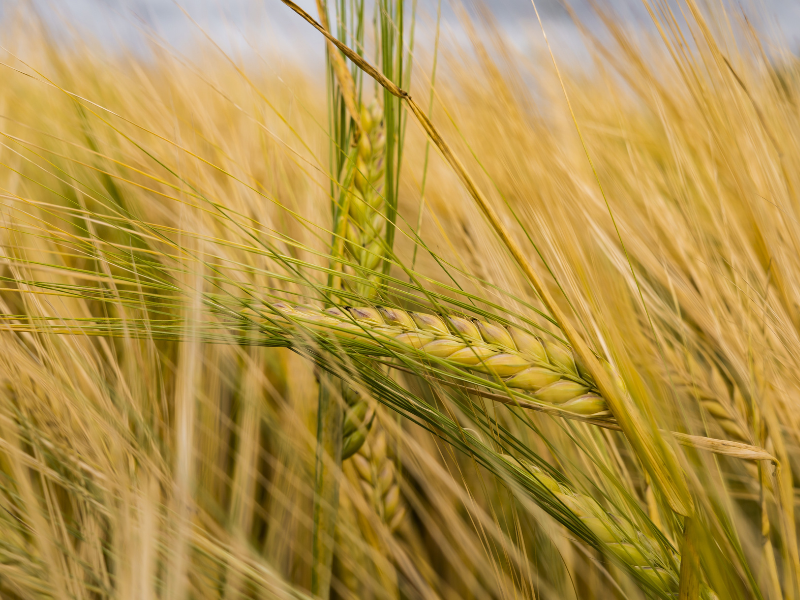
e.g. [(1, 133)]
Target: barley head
[(366, 223), (379, 479), (617, 535), (520, 360)]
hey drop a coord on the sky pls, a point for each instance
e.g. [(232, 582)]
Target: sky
[(240, 26)]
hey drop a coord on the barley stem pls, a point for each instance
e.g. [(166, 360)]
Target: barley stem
[(690, 561), (326, 485)]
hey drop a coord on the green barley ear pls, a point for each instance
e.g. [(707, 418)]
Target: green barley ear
[(364, 249), (366, 221), (644, 556), (362, 230), (360, 241), (617, 536)]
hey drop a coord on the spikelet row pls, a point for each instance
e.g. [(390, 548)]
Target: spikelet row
[(364, 244), (378, 479), (364, 230), (358, 419), (721, 403), (547, 370), (366, 222)]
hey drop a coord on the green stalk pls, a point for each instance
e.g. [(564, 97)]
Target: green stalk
[(326, 486), (427, 141), (328, 461), (390, 113), (690, 561)]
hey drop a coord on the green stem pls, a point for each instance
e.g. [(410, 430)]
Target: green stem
[(326, 485), (767, 552), (427, 140), (690, 560)]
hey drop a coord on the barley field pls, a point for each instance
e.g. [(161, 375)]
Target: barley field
[(441, 318)]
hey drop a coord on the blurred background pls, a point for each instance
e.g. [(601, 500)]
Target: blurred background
[(267, 27)]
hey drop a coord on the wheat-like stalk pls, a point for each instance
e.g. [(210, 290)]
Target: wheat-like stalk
[(522, 361)]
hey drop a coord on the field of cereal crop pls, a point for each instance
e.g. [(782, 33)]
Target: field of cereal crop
[(433, 314)]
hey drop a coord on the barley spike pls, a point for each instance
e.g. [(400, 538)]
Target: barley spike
[(378, 479), (366, 224), (721, 401), (519, 359), (362, 227), (619, 537), (364, 230)]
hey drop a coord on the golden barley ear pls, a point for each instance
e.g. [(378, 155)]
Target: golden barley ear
[(548, 371), (378, 478), (723, 401)]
